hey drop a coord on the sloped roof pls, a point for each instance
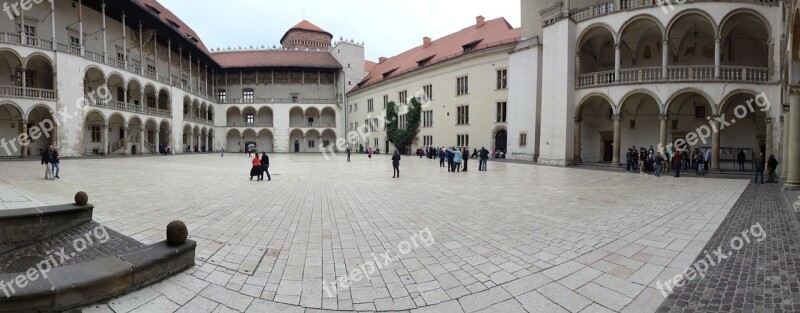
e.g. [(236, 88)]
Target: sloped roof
[(369, 65), (493, 33), (276, 58), (167, 17), (307, 26)]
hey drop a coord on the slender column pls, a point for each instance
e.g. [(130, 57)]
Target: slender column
[(104, 133), (105, 41), (241, 144), (770, 144), (180, 65), (125, 95), (124, 41), (54, 136), (24, 79), (664, 58), (715, 145), (125, 141), (141, 49), (662, 138), (141, 140), (155, 53), (53, 24), (617, 61), (169, 60), (157, 137), (206, 89), (793, 175), (80, 25), (717, 56), (784, 160), (22, 35), (578, 123), (617, 139), (24, 148), (190, 71)]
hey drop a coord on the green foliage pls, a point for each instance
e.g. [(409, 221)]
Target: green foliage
[(401, 138)]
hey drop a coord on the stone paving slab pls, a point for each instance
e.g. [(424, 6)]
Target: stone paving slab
[(502, 240)]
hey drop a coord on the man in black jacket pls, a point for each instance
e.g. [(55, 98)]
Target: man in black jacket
[(265, 166), (396, 164), (54, 161), (484, 159), (46, 163)]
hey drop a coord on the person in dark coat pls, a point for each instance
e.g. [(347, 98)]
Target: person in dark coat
[(396, 164), (484, 159), (741, 157), (772, 165), (46, 162), (760, 167), (265, 166), (55, 165)]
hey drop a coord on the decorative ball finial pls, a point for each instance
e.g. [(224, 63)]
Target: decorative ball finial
[(81, 198), (176, 233)]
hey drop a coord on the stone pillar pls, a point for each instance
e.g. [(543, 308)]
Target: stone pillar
[(105, 41), (125, 141), (578, 123), (717, 55), (104, 133), (715, 146), (770, 144), (241, 144), (157, 137), (617, 62), (615, 160), (662, 138), (784, 160), (793, 175), (664, 58), (54, 136), (141, 140), (24, 130)]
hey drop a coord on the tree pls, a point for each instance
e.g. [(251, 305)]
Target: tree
[(401, 138)]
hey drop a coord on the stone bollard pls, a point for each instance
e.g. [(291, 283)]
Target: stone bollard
[(81, 198), (176, 233)]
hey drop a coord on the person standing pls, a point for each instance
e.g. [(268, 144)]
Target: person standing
[(457, 156), (48, 175), (256, 169), (484, 159), (659, 160), (369, 153), (772, 165), (396, 164), (760, 167), (222, 152), (740, 157), (465, 155), (676, 162), (54, 161), (442, 156), (264, 166), (450, 156), (347, 151)]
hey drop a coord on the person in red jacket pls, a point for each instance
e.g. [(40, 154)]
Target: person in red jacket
[(676, 162), (256, 170)]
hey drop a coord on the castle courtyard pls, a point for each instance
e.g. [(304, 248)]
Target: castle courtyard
[(332, 235)]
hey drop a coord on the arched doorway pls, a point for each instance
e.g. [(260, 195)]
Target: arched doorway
[(501, 140)]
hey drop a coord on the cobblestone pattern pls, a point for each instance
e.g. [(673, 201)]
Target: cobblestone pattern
[(98, 245), (759, 277)]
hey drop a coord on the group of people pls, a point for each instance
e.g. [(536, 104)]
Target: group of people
[(164, 150), (648, 160), (456, 158), (51, 162), (260, 165)]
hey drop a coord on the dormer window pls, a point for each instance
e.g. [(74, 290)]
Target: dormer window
[(153, 10), (389, 73), (471, 46), (173, 24), (425, 61)]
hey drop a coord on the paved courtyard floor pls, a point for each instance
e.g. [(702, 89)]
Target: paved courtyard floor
[(518, 238)]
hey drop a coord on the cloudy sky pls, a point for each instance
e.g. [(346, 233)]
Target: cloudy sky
[(386, 27)]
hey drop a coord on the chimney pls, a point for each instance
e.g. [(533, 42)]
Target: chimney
[(480, 21), (426, 41), (381, 60)]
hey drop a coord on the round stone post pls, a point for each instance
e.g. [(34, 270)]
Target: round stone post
[(617, 139)]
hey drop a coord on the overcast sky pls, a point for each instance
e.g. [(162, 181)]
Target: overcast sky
[(386, 27)]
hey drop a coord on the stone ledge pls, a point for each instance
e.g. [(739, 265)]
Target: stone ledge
[(20, 227), (78, 285)]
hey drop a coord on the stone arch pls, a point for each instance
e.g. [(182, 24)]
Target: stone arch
[(10, 62), (588, 97), (723, 105), (44, 67), (745, 36), (636, 91), (266, 141), (683, 91), (641, 43)]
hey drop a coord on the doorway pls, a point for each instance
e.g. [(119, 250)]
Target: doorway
[(501, 141), (296, 146), (608, 148)]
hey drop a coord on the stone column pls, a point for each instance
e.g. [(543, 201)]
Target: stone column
[(578, 123), (717, 52), (617, 139), (664, 58), (24, 130), (617, 62), (104, 133), (241, 144), (141, 140), (770, 140), (715, 146), (157, 137), (662, 138), (784, 160), (793, 175), (54, 136), (125, 141)]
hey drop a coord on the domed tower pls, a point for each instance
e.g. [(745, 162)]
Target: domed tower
[(305, 35)]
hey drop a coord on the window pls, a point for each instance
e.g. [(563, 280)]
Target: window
[(462, 140), (355, 107), (523, 139), (151, 69), (376, 142), (96, 134), (375, 123), (120, 56), (222, 95), (462, 85), (502, 79), (326, 143), (463, 115), (427, 140), (428, 89), (403, 121), (674, 125), (403, 97), (311, 144), (150, 136), (74, 41), (30, 31), (427, 118), (370, 106), (248, 95), (700, 111), (501, 112), (250, 119), (385, 101)]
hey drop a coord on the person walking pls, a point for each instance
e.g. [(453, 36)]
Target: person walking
[(48, 174), (760, 167), (222, 152), (396, 164), (347, 151), (442, 155), (54, 161), (484, 154), (740, 157), (772, 165), (256, 169), (677, 162), (457, 156), (465, 155), (265, 166), (450, 156), (369, 153)]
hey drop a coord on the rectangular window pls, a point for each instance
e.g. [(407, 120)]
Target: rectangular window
[(427, 118), (250, 119), (700, 111), (96, 134), (427, 140), (74, 42), (248, 96), (385, 101), (376, 142), (150, 136), (370, 106), (311, 144), (403, 97), (403, 121), (151, 69), (463, 115), (501, 112), (121, 56), (428, 89), (222, 96), (326, 143), (502, 79), (523, 139), (462, 140), (462, 85)]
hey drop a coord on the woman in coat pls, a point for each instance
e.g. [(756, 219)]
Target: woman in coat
[(256, 169)]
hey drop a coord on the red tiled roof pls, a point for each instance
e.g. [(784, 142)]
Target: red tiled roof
[(276, 58), (369, 65), (166, 16), (493, 33), (307, 26)]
